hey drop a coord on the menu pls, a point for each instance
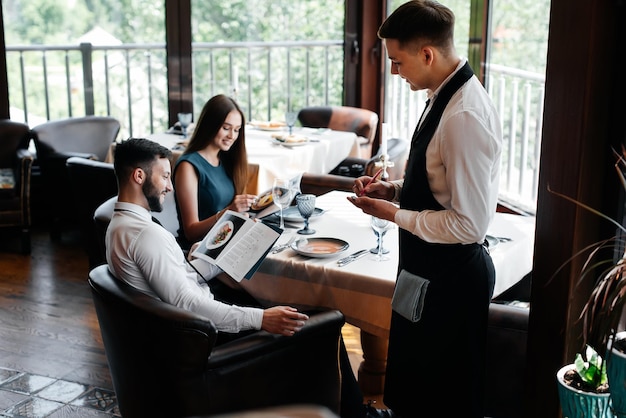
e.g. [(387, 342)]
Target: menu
[(237, 244)]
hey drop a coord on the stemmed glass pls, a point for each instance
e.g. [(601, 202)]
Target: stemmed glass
[(185, 120), (379, 226), (375, 249), (281, 195), (306, 207), (290, 119)]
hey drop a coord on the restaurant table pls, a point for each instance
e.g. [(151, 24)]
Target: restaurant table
[(268, 159), (362, 290)]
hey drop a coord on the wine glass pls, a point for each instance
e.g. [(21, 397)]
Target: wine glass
[(281, 195), (379, 226), (374, 250), (290, 119), (306, 207), (184, 119)]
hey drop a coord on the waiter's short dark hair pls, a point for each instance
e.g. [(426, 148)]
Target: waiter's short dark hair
[(420, 21)]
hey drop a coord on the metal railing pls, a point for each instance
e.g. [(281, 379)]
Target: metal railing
[(129, 82)]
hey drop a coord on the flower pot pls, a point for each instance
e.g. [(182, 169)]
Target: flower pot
[(616, 372), (579, 404)]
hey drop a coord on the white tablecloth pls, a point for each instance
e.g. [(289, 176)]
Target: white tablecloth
[(326, 150), (362, 290)]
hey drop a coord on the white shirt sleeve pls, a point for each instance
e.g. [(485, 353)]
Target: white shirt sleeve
[(175, 282), (463, 173)]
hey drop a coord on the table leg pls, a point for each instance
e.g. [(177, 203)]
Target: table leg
[(372, 368)]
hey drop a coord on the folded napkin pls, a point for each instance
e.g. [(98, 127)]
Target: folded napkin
[(408, 296)]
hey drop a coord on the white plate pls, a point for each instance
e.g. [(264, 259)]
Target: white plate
[(291, 214), (268, 126), (319, 247), (220, 236), (289, 144)]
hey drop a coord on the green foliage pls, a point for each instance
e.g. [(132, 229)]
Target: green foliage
[(603, 310), (591, 370)]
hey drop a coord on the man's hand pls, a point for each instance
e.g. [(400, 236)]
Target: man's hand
[(364, 186), (283, 320), (377, 207)]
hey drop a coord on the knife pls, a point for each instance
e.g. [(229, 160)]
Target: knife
[(349, 259)]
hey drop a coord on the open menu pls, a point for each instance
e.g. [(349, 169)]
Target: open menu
[(237, 244)]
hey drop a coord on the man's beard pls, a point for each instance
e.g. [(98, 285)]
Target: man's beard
[(152, 196)]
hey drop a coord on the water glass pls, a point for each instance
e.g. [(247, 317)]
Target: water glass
[(290, 119), (184, 119), (281, 196), (379, 226), (306, 206)]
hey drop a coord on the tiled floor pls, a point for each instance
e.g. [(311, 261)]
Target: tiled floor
[(24, 395)]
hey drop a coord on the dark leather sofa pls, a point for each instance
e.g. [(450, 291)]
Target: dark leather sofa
[(164, 361), (507, 337)]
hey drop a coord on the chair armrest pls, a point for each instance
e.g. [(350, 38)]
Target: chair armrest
[(262, 342), (270, 370), (24, 153), (318, 184)]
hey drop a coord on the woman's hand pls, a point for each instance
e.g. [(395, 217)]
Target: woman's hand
[(242, 202)]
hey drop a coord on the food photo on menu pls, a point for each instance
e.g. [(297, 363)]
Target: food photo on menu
[(237, 244)]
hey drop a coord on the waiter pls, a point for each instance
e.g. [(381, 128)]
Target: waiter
[(443, 206)]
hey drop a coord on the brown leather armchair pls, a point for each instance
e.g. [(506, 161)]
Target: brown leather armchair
[(362, 122), (15, 173), (164, 361), (87, 137)]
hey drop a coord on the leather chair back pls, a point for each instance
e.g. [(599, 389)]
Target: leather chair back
[(507, 337), (15, 164), (88, 137), (164, 361), (362, 122), (93, 182)]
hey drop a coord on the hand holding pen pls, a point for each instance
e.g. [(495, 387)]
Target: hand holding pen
[(373, 179)]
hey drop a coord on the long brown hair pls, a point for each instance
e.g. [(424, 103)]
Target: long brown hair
[(211, 119)]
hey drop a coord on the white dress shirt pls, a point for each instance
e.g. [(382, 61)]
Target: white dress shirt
[(147, 256), (463, 166)]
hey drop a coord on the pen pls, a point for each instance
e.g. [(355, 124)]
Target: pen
[(373, 179)]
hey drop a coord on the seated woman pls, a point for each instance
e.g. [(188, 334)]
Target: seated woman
[(210, 177)]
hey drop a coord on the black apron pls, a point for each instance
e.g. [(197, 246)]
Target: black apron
[(443, 354)]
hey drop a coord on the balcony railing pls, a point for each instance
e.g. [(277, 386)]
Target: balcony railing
[(129, 82)]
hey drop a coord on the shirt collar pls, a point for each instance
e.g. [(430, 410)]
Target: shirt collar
[(134, 208), (431, 95)]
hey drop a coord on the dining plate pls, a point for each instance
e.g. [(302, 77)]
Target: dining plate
[(264, 200), (319, 247), (292, 214), (268, 126), (287, 140), (289, 144), (492, 241), (220, 236)]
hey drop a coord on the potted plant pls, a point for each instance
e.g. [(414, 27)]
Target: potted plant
[(603, 310), (583, 387)]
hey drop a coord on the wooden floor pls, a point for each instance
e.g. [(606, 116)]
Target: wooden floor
[(48, 325)]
